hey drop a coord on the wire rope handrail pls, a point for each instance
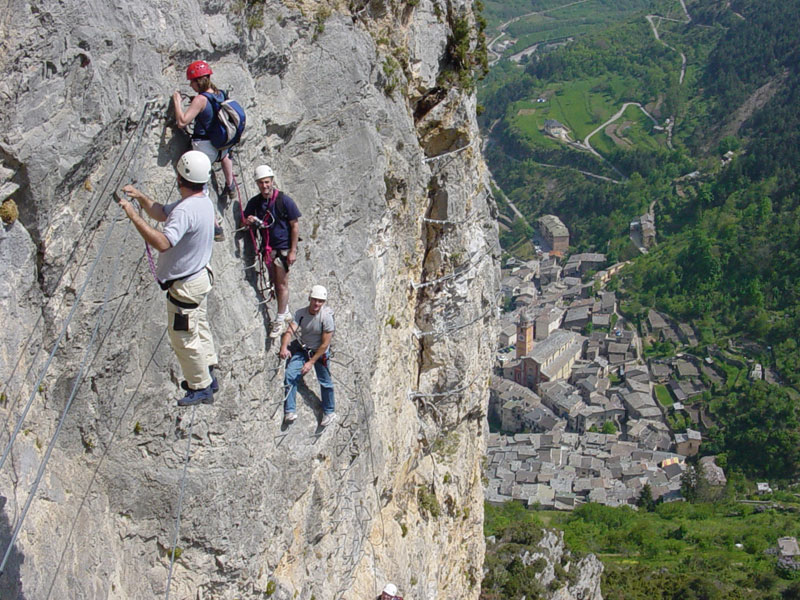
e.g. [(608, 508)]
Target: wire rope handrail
[(68, 320), (74, 250), (75, 387)]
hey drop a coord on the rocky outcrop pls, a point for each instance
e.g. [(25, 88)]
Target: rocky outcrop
[(566, 576), (559, 574), (353, 108)]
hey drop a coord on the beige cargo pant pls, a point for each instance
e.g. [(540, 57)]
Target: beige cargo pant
[(189, 332)]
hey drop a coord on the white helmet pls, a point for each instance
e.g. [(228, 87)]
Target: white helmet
[(262, 172), (390, 589), (318, 292), (194, 166)]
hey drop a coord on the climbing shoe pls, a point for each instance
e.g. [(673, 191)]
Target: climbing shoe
[(290, 417), (327, 419), (195, 397), (219, 234)]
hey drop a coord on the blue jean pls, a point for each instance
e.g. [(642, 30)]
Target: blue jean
[(293, 365)]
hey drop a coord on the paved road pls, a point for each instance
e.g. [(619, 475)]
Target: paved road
[(503, 26), (585, 145), (651, 19), (616, 116)]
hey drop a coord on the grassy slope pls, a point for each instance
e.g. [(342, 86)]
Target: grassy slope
[(665, 548)]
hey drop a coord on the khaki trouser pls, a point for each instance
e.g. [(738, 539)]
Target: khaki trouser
[(189, 332)]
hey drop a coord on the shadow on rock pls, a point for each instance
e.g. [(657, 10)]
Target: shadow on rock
[(10, 583)]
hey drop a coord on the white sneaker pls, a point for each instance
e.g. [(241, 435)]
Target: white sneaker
[(327, 419), (276, 327), (290, 416)]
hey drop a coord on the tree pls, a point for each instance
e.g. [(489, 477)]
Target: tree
[(792, 592), (760, 430), (645, 499), (609, 428), (690, 483)]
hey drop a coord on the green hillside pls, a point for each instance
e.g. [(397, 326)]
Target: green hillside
[(720, 166), (676, 551)]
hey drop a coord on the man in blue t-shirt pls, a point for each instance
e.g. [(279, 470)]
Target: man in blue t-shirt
[(278, 213)]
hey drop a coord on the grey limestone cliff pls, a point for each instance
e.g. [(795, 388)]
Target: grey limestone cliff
[(359, 109)]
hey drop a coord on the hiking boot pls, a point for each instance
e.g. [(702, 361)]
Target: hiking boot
[(327, 419), (214, 382), (195, 397), (289, 417), (219, 234)]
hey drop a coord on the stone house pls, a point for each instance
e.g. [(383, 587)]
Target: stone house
[(688, 444), (554, 232), (656, 322), (581, 264), (507, 335), (576, 318), (787, 546), (555, 129)]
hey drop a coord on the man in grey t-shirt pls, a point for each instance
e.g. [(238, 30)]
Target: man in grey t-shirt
[(313, 327), (184, 248)]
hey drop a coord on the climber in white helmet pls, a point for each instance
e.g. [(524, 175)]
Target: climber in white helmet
[(389, 593), (313, 329), (184, 251), (278, 214)]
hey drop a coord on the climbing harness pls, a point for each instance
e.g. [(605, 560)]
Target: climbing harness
[(262, 251)]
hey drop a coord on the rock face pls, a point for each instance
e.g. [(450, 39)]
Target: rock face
[(353, 108), (583, 575), (560, 575)]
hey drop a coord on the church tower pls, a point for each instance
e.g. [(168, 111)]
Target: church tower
[(524, 334)]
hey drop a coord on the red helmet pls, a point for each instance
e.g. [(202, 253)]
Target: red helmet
[(197, 69)]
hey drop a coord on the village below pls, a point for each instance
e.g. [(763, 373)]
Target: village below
[(579, 411), (645, 401)]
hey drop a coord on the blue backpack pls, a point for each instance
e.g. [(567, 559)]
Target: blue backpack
[(227, 124)]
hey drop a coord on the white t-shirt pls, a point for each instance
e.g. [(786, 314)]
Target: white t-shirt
[(190, 229)]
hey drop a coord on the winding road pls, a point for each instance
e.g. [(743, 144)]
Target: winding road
[(616, 116), (502, 29), (651, 19), (585, 144)]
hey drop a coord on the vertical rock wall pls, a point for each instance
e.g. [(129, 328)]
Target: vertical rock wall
[(351, 106)]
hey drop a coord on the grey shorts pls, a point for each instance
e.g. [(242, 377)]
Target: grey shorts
[(207, 148)]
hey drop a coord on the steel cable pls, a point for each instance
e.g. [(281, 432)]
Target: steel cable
[(72, 253), (180, 502), (68, 320), (75, 387)]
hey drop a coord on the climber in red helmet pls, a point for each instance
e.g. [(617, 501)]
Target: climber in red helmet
[(199, 75)]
